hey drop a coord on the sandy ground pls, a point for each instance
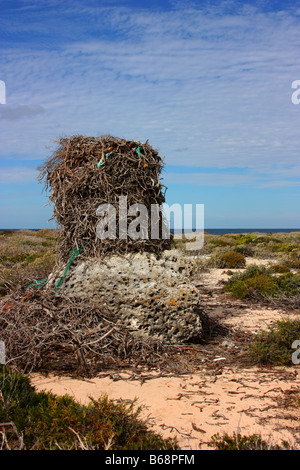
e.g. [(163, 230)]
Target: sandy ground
[(220, 397)]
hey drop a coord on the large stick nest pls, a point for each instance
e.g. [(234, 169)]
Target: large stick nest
[(85, 172)]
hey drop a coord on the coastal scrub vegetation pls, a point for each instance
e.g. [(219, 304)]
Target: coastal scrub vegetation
[(40, 420), (32, 420), (229, 259), (236, 441), (274, 346), (283, 247), (25, 256), (259, 281)]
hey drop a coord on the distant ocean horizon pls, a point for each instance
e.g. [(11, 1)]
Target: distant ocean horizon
[(222, 231), (211, 231)]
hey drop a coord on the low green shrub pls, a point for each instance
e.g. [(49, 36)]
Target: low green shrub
[(292, 261), (266, 239), (24, 273), (47, 233), (20, 258), (220, 242), (239, 442), (274, 346), (7, 233), (47, 421), (245, 239), (284, 247), (258, 281), (289, 284), (279, 268), (245, 250), (229, 259), (259, 284)]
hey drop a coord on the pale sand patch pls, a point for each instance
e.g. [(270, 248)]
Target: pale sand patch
[(194, 407)]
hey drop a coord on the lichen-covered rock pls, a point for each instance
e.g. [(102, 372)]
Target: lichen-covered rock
[(154, 297)]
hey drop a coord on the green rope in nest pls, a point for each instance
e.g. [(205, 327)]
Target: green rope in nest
[(72, 256)]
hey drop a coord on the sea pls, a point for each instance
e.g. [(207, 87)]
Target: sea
[(222, 231), (212, 231)]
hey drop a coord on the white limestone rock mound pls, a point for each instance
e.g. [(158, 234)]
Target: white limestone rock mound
[(152, 297)]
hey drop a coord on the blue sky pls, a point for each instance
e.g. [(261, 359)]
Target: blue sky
[(209, 83)]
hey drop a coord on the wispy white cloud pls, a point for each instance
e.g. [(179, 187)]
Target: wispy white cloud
[(266, 178), (19, 112), (17, 174), (216, 81), (208, 83), (207, 179)]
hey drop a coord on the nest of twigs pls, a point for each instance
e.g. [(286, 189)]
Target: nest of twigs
[(86, 172), (46, 332)]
